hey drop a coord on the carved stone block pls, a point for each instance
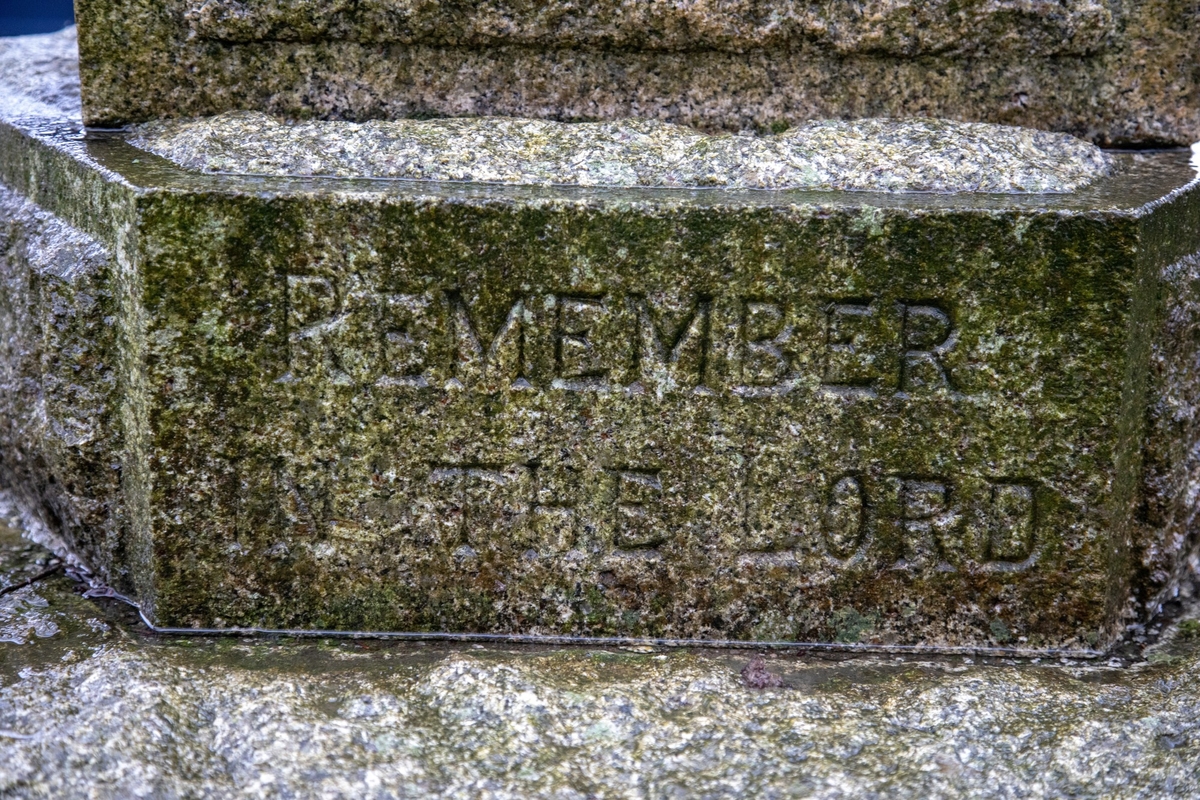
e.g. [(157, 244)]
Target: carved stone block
[(688, 413)]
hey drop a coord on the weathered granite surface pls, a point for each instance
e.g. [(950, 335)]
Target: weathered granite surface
[(41, 75), (92, 707), (61, 394), (1113, 71), (895, 418), (861, 155)]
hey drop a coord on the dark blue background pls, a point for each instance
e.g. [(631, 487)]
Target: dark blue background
[(34, 16)]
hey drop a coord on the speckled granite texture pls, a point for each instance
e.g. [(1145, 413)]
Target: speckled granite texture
[(852, 417), (1112, 71), (862, 155), (92, 708), (41, 75)]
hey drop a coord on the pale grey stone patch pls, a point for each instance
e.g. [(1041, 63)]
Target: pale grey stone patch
[(100, 710), (39, 75), (865, 155), (189, 721)]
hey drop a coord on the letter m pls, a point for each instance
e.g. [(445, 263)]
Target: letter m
[(673, 348), (492, 364)]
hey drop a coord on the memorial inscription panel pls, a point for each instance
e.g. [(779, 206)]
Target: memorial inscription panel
[(627, 347)]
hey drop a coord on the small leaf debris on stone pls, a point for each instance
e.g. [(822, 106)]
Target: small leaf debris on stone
[(756, 675)]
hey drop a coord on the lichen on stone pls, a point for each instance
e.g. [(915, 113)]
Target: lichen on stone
[(860, 155), (888, 420)]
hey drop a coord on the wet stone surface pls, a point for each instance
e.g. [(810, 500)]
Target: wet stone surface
[(859, 155), (92, 706), (41, 75)]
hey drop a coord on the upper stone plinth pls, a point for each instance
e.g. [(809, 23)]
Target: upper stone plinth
[(1113, 71)]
